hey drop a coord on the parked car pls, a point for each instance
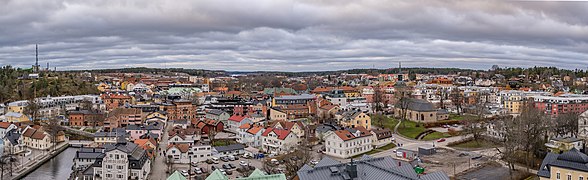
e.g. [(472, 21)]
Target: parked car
[(231, 157), (213, 168), (441, 140), (243, 163), (314, 162), (222, 171), (185, 173), (226, 166), (215, 160), (229, 172), (232, 166), (198, 170), (225, 159), (204, 170), (194, 164), (209, 161), (275, 161)]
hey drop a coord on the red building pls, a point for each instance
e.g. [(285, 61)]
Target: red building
[(205, 126), (554, 105), (113, 101)]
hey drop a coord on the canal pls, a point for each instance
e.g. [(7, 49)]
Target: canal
[(57, 168)]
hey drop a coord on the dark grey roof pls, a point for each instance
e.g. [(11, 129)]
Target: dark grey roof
[(231, 147), (322, 128), (137, 156), (116, 132), (572, 159), (12, 136), (217, 112), (420, 105), (89, 153), (367, 168)]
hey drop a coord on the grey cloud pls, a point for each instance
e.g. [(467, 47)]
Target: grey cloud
[(293, 35)]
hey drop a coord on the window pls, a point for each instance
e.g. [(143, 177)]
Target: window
[(557, 176), (569, 177), (580, 178)]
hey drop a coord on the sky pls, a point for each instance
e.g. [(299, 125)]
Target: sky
[(293, 35)]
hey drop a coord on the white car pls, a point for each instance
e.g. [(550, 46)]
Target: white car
[(243, 163), (222, 171), (185, 173), (197, 170)]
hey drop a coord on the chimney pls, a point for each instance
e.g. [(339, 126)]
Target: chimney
[(352, 169)]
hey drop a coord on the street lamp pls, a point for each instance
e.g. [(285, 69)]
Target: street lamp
[(190, 153)]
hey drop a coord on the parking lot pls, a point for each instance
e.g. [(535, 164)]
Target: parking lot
[(451, 162)]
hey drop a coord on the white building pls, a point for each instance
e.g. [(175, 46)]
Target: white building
[(122, 161), (250, 135), (278, 141), (348, 142), (186, 153)]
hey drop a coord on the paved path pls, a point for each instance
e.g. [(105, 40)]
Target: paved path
[(159, 166)]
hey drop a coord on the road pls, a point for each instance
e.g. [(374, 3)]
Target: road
[(409, 143), (159, 165)]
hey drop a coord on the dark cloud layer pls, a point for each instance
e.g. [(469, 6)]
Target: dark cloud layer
[(303, 35)]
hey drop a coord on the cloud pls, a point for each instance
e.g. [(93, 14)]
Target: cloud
[(289, 35)]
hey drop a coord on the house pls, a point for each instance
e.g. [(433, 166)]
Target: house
[(5, 127), (348, 142), (296, 127), (218, 115), (106, 137), (13, 142), (183, 123), (149, 145), (279, 140), (208, 125), (178, 135), (571, 164), (181, 109), (236, 121), (114, 101), (160, 116), (16, 117), (354, 118), (36, 138), (277, 114), (420, 110), (228, 150), (122, 117), (562, 144), (120, 161), (85, 157), (366, 167), (381, 137), (327, 111), (250, 135), (186, 153), (85, 118)]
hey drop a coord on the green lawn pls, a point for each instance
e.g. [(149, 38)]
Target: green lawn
[(435, 135), (223, 143), (373, 151), (461, 117), (407, 128), (476, 144)]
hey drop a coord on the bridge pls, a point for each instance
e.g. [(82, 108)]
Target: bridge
[(79, 143)]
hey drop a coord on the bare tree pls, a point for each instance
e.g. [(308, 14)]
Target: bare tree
[(269, 167), (7, 161), (378, 99), (442, 97), (566, 124), (457, 99), (403, 101), (302, 155), (506, 127), (53, 128), (32, 109), (475, 126)]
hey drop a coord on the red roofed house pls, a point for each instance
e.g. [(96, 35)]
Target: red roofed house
[(236, 121), (348, 142), (250, 135), (114, 101), (205, 126), (36, 138), (279, 141)]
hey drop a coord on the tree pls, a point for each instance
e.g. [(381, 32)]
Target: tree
[(53, 128), (7, 161), (457, 99), (403, 101), (566, 124), (269, 167), (32, 109), (301, 155), (475, 126), (378, 99)]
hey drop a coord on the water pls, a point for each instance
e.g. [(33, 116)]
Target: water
[(57, 168)]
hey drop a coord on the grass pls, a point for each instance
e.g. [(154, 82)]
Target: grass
[(377, 150), (475, 144), (90, 130), (435, 135), (223, 142), (461, 117)]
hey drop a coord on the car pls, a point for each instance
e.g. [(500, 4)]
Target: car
[(441, 140), (222, 171), (247, 156), (185, 173), (462, 154), (477, 156), (275, 161), (226, 166), (232, 166), (243, 163), (194, 164), (204, 170), (314, 162), (213, 168), (198, 170), (231, 157), (225, 159), (237, 157), (229, 172)]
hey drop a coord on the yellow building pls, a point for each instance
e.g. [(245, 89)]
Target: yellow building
[(16, 117), (354, 119), (570, 165), (557, 145)]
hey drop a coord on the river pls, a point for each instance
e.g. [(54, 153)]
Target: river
[(57, 168)]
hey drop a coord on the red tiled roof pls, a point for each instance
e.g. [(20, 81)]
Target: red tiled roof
[(237, 118), (254, 129), (328, 107), (182, 147), (245, 126), (5, 125), (344, 135), (281, 133)]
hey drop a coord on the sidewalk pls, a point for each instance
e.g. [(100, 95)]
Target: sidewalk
[(25, 164)]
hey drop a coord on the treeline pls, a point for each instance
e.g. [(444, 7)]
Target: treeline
[(13, 87), (192, 72), (541, 72)]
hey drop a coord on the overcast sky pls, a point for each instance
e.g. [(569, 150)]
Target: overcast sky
[(288, 35)]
